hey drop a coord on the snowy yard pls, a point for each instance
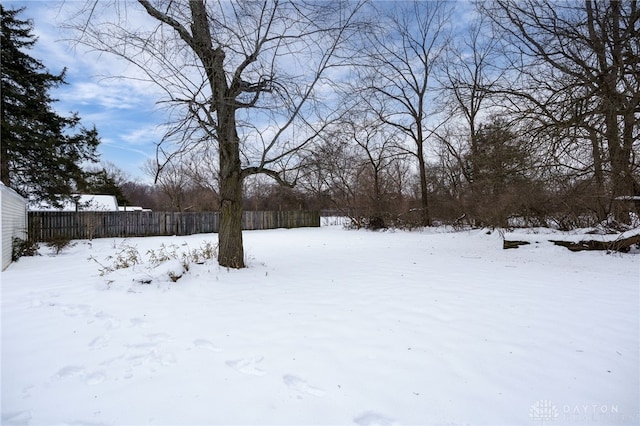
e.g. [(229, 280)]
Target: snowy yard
[(326, 326)]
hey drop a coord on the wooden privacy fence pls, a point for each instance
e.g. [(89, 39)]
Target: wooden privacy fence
[(45, 226)]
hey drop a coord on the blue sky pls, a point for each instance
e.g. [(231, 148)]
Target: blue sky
[(123, 111)]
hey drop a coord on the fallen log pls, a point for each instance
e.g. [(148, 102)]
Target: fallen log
[(513, 244), (620, 244)]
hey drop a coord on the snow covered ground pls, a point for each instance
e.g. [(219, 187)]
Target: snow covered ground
[(326, 326)]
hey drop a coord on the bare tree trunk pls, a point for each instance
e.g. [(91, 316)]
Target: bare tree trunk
[(619, 166), (598, 171), (424, 189), (230, 248), (377, 193)]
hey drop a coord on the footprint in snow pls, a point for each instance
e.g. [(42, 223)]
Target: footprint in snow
[(108, 321), (69, 371), (247, 366), (168, 359), (152, 341), (16, 418), (128, 373), (138, 322), (149, 351), (145, 354), (72, 371), (141, 345), (300, 386), (158, 337), (99, 342), (75, 310), (95, 378), (371, 418), (26, 391), (205, 344)]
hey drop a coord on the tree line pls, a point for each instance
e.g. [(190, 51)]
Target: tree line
[(398, 113), (527, 113)]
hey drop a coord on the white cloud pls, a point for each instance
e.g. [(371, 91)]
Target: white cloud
[(123, 110), (144, 135)]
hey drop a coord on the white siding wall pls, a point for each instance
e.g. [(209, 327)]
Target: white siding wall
[(13, 220)]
